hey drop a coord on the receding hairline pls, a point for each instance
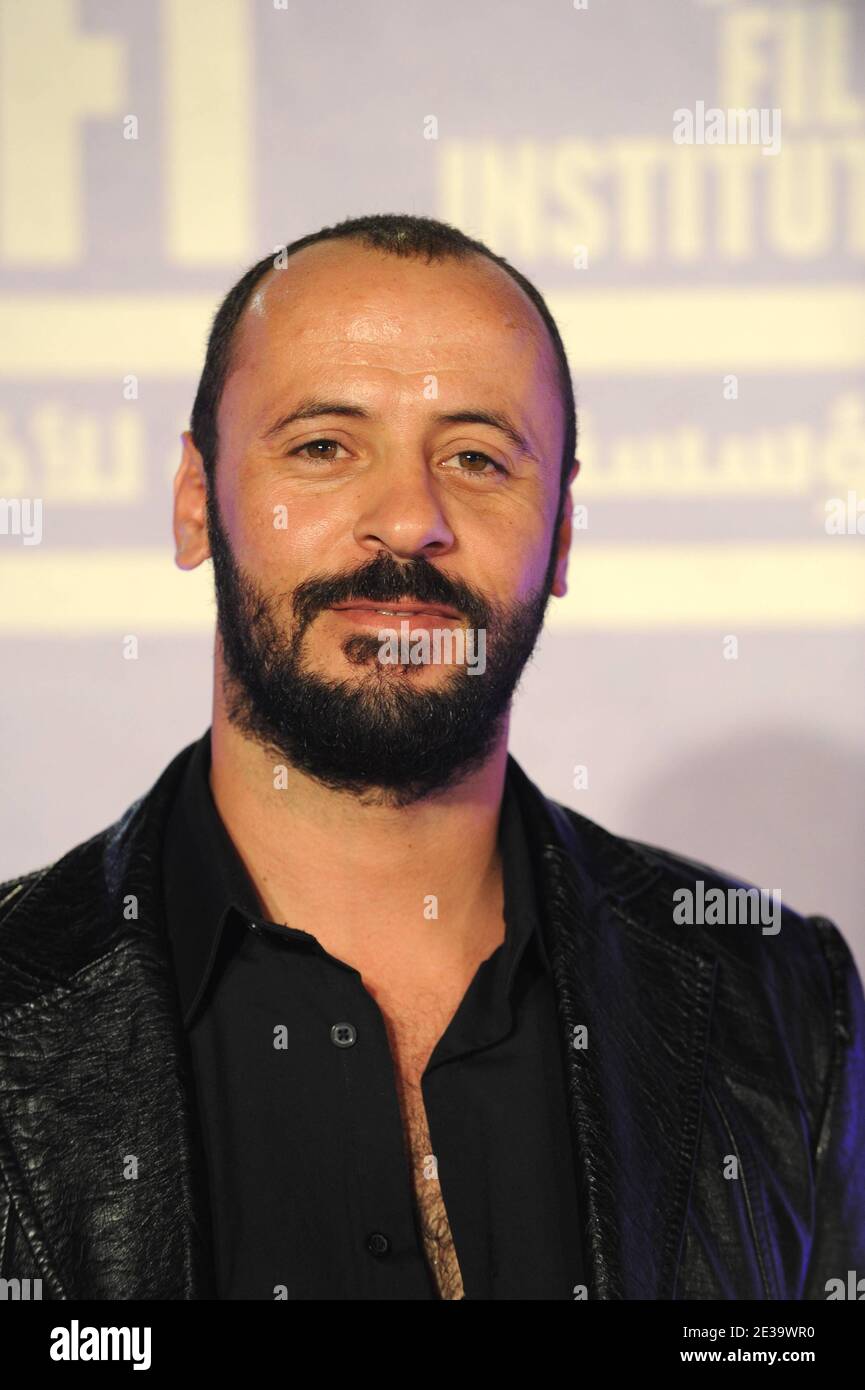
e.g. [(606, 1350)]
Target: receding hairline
[(538, 328)]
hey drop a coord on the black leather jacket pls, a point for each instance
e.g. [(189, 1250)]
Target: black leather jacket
[(704, 1044)]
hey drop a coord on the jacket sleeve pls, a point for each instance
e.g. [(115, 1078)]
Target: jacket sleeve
[(839, 1177)]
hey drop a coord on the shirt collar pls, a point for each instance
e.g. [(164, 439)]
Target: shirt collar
[(211, 899)]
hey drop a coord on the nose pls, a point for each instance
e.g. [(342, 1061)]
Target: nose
[(404, 514)]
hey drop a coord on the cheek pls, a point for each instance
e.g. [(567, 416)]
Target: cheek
[(298, 535), (509, 566), (257, 529)]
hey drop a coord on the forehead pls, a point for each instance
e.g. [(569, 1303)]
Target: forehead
[(339, 305)]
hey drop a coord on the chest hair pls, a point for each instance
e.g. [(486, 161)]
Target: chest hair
[(412, 1041)]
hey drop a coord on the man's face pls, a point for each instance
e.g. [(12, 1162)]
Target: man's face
[(375, 497)]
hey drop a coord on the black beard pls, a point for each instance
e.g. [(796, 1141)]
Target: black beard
[(378, 734)]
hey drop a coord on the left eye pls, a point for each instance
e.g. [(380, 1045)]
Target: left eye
[(475, 454)]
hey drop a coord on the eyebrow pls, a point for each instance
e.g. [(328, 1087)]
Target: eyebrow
[(312, 408)]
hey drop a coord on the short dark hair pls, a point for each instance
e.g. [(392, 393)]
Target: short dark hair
[(396, 234)]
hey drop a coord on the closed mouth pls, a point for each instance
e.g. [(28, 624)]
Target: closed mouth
[(399, 609)]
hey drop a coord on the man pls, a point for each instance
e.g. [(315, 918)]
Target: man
[(344, 1007)]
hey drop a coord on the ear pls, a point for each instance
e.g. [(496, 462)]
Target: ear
[(563, 543), (190, 507)]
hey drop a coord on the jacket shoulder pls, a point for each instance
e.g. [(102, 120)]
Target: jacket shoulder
[(668, 872), (54, 921), (804, 934), (14, 890), (67, 867), (792, 980), (60, 919), (764, 946)]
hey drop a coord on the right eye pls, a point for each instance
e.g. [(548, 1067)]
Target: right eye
[(313, 444)]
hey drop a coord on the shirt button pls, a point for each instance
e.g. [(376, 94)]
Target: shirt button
[(377, 1244), (343, 1035)]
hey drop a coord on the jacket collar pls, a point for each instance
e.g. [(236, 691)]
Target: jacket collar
[(88, 995)]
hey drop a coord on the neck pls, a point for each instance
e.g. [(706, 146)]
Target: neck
[(415, 891)]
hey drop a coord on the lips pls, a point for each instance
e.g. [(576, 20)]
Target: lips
[(401, 608)]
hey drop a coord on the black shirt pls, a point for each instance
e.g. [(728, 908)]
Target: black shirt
[(310, 1183)]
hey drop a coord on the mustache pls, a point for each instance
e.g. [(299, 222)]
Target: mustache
[(384, 581)]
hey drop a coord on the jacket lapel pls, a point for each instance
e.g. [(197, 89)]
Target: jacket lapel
[(644, 996)]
